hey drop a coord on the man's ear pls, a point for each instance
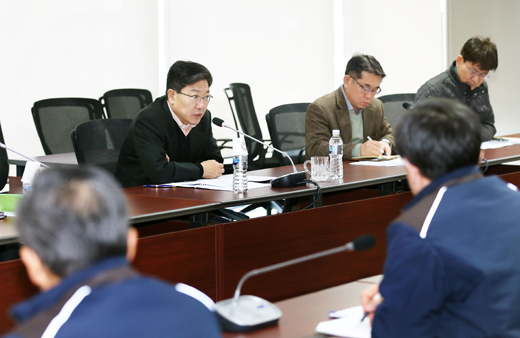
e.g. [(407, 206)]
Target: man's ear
[(38, 273), (459, 61), (170, 93), (131, 244), (347, 81)]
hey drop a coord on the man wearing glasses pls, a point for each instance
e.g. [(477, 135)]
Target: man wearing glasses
[(353, 110), (464, 81), (171, 140)]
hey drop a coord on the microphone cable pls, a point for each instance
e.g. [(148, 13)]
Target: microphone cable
[(318, 194), (486, 165)]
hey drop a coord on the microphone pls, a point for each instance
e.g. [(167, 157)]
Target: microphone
[(27, 157), (293, 179), (407, 105), (246, 313)]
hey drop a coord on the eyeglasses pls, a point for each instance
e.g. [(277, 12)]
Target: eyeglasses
[(368, 90), (197, 98), (473, 73)]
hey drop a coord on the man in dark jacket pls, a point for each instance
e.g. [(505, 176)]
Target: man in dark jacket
[(171, 140), (77, 248), (464, 81), (452, 267)]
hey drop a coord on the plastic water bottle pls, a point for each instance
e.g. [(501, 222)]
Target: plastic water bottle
[(239, 166), (239, 173), (336, 155)]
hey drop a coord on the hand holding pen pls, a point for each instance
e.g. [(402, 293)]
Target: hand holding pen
[(370, 299)]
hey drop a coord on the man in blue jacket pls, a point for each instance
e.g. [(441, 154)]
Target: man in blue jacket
[(77, 245), (453, 257)]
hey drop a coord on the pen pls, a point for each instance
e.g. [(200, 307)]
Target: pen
[(382, 153), (158, 186)]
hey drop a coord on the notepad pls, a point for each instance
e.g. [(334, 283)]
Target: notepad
[(390, 163), (348, 326), (379, 158)]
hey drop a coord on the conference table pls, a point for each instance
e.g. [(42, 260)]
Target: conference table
[(301, 315), (214, 257)]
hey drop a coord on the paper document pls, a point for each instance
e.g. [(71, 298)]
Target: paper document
[(348, 326), (494, 144), (224, 183), (514, 140), (374, 163)]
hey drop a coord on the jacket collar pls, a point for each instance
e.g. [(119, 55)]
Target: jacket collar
[(438, 182), (44, 300)]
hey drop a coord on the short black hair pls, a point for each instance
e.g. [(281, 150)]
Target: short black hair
[(73, 218), (439, 136), (359, 63), (185, 73), (482, 52)]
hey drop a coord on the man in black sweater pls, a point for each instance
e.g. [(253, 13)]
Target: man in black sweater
[(171, 140)]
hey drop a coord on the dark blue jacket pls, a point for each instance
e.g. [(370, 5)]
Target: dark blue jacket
[(133, 307), (463, 278)]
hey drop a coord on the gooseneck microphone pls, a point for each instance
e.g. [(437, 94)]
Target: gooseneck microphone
[(26, 157), (246, 313), (407, 105), (293, 179)]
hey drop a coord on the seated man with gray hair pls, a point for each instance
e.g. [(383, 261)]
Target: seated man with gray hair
[(77, 245)]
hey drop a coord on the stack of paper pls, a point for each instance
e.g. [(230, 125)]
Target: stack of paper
[(348, 326)]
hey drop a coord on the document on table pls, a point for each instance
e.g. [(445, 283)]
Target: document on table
[(224, 183), (375, 163), (350, 325), (494, 144)]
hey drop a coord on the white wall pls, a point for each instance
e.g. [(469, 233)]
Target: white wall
[(285, 50), (61, 48), (282, 49), (405, 36), (497, 19)]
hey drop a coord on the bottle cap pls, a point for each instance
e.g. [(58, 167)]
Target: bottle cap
[(335, 132), (239, 146)]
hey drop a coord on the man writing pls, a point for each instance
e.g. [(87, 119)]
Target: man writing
[(77, 245), (465, 82), (453, 261), (171, 140), (353, 110)]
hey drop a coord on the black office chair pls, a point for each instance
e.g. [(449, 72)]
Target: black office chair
[(286, 125), (245, 111), (4, 165), (99, 142), (125, 103), (55, 118), (394, 109)]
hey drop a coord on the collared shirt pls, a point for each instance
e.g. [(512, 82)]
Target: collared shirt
[(356, 121), (186, 128)]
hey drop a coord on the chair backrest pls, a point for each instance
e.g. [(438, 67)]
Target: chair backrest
[(394, 109), (4, 165), (245, 111), (287, 129), (55, 118), (99, 142), (125, 103)]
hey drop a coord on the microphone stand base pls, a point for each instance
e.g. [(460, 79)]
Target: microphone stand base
[(290, 180), (247, 314)]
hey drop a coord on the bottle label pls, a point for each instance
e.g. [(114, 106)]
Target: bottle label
[(336, 149), (236, 160)]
